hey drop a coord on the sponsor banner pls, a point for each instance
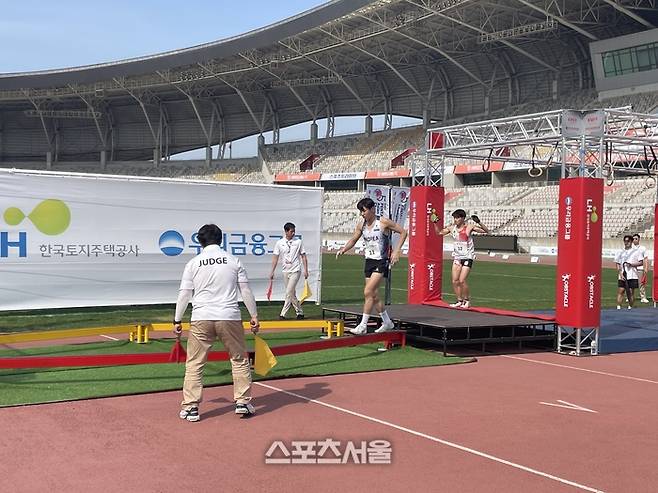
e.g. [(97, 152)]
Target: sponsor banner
[(425, 246), (80, 240), (381, 196), (543, 250), (400, 209), (391, 173), (579, 123), (282, 177), (356, 175), (580, 233)]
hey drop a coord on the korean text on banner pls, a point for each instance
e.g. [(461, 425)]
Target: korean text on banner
[(580, 233), (425, 246), (80, 240)]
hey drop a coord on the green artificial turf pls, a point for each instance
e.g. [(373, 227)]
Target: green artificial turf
[(30, 386)]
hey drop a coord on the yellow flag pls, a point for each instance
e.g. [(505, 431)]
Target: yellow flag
[(265, 360), (306, 293)]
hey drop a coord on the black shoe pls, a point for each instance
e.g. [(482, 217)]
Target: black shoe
[(300, 316), (281, 317)]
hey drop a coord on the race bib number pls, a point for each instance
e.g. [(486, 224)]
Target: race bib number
[(461, 248)]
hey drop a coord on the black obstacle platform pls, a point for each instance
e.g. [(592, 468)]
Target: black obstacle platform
[(456, 327)]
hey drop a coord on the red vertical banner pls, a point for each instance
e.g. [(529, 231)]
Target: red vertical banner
[(580, 238), (425, 246), (654, 285)]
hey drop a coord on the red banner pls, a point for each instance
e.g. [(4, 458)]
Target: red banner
[(391, 173), (654, 286), (580, 237), (297, 177), (425, 246), (436, 140)]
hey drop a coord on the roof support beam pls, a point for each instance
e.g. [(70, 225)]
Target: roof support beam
[(93, 111), (628, 13), (366, 108), (561, 20), (286, 83), (382, 60), (482, 31), (427, 45)]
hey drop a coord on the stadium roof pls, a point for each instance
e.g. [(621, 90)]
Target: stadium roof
[(444, 59)]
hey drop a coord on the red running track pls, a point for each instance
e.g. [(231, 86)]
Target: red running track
[(491, 409)]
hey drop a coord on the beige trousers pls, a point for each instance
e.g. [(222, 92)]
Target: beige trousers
[(291, 279), (202, 335)]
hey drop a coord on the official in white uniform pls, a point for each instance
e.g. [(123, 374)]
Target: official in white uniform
[(642, 270), (627, 260), (211, 280), (293, 256)]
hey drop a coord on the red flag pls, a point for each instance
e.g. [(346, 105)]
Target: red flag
[(269, 291), (177, 354)]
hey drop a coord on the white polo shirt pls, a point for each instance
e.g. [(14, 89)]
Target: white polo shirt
[(214, 276), (643, 251), (629, 256), (290, 252)]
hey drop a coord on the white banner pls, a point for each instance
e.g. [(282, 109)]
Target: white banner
[(380, 196), (400, 209), (88, 240), (352, 175)]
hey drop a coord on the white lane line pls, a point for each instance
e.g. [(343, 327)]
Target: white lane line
[(568, 405), (626, 377), (108, 337), (435, 439)]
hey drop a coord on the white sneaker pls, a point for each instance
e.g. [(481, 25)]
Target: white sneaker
[(245, 409), (385, 327), (644, 300), (359, 330), (618, 307), (465, 304), (456, 304)]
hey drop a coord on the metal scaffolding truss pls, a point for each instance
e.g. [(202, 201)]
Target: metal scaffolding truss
[(595, 143)]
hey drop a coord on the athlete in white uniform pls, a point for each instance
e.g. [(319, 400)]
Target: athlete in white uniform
[(463, 253), (293, 257), (376, 234), (643, 270)]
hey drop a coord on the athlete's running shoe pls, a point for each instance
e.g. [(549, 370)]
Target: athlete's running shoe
[(456, 304), (385, 327), (359, 330)]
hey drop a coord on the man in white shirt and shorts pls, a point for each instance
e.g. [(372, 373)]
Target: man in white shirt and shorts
[(212, 280), (293, 256), (627, 260), (643, 270)]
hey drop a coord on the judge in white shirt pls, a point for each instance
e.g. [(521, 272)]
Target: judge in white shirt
[(212, 280)]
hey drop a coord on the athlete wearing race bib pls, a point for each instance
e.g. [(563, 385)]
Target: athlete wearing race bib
[(463, 253), (376, 234), (377, 243)]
